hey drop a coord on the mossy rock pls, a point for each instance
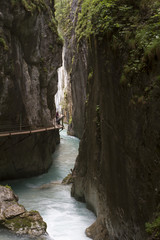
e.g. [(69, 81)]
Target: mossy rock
[(153, 229), (30, 223), (68, 179), (16, 218)]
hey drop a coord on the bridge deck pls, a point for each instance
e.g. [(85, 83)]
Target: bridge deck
[(12, 133)]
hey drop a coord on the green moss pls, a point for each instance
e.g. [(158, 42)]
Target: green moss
[(17, 222), (154, 228), (3, 43), (70, 120), (30, 5), (68, 179), (132, 27), (73, 59), (13, 2), (63, 9), (24, 222), (123, 79), (33, 212), (45, 69), (53, 25), (90, 75), (7, 186), (94, 17)]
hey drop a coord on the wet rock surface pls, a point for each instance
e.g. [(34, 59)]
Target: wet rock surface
[(76, 65), (16, 218), (30, 53), (117, 169)]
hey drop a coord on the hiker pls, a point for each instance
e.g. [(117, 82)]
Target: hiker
[(57, 118)]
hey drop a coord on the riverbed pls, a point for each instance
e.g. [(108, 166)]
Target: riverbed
[(66, 218)]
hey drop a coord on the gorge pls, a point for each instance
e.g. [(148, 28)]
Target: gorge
[(112, 103)]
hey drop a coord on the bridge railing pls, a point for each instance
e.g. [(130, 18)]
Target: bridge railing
[(14, 127)]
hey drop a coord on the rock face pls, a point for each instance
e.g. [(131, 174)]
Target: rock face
[(117, 169), (30, 53), (27, 155), (75, 61), (16, 218)]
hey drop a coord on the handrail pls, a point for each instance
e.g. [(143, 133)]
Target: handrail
[(11, 130), (22, 132)]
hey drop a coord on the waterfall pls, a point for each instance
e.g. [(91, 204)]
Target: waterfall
[(60, 97)]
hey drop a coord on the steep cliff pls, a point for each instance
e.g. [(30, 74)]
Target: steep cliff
[(30, 53), (75, 62), (117, 169)]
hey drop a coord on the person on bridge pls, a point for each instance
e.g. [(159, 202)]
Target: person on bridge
[(57, 118)]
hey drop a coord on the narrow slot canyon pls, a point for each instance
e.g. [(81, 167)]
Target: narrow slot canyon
[(79, 119)]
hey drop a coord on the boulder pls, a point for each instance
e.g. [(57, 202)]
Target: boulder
[(16, 218)]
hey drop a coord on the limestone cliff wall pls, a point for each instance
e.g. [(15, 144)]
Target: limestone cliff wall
[(27, 155), (30, 53), (76, 65), (117, 169)]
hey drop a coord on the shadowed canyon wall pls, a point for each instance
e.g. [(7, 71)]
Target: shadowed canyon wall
[(30, 53), (117, 169), (75, 62)]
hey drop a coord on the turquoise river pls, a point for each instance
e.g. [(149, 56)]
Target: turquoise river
[(66, 218)]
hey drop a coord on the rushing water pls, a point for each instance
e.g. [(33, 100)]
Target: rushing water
[(63, 82), (66, 218)]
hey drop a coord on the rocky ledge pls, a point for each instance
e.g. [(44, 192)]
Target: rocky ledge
[(16, 218)]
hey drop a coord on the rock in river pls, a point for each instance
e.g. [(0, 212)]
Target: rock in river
[(16, 218)]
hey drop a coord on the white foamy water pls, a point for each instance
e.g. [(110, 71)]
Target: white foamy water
[(63, 82), (66, 218)]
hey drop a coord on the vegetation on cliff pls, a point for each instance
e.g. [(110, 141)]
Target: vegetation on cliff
[(63, 9), (123, 38), (134, 25), (30, 5), (153, 228)]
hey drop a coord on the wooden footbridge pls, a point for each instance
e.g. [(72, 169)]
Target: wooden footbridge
[(22, 131)]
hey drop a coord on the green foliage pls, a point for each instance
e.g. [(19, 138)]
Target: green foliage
[(144, 45), (97, 108), (3, 43), (7, 186), (90, 75), (30, 5), (95, 17), (53, 25), (154, 228), (63, 8), (70, 120), (123, 22)]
